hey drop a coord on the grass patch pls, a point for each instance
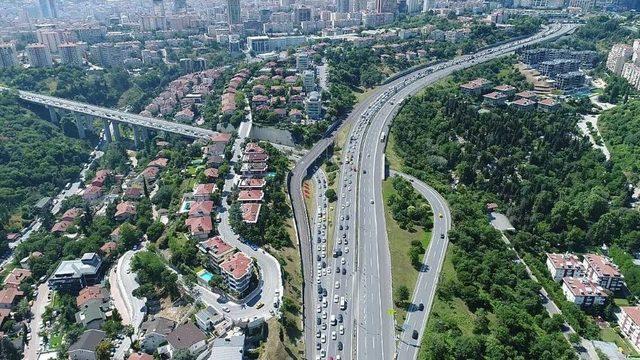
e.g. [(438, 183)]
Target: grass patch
[(402, 272), (285, 342), (393, 159), (612, 335), (55, 340)]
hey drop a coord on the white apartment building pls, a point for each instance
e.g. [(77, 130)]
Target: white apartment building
[(629, 321), (564, 265), (313, 105), (237, 271), (309, 80), (618, 55), (49, 38), (603, 272), (583, 292), (631, 72)]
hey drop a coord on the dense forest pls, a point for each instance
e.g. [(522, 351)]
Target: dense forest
[(560, 194), (35, 158), (620, 128)]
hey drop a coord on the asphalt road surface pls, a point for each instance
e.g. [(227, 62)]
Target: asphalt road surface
[(425, 290), (360, 196)]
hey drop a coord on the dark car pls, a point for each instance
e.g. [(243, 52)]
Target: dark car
[(441, 236), (319, 258), (415, 335), (340, 319), (319, 289), (344, 271), (340, 227), (318, 346), (421, 307), (318, 320), (324, 264), (340, 345), (337, 269), (324, 292)]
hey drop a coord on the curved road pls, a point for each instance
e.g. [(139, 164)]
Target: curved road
[(425, 290), (363, 170)]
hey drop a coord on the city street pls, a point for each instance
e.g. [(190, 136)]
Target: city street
[(39, 305)]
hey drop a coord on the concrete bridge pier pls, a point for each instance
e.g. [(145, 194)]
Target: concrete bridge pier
[(107, 131), (136, 136), (80, 125), (52, 114), (145, 134), (116, 131)]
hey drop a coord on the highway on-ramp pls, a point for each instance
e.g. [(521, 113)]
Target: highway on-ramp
[(360, 207), (425, 290)]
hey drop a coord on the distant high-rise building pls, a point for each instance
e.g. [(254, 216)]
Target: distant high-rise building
[(70, 54), (233, 11), (107, 55), (414, 6), (39, 55), (8, 55), (50, 38), (179, 5), (302, 14), (302, 61), (358, 5), (158, 7), (48, 9), (427, 5), (285, 3), (385, 6), (343, 6)]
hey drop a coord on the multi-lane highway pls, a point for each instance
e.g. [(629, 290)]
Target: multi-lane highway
[(114, 115), (360, 207), (425, 290)]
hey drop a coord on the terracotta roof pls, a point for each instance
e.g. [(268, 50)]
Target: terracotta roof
[(252, 183), (125, 208), (133, 192), (216, 245), (633, 312), (150, 172), (524, 102), (526, 94), (16, 277), (92, 190), (221, 137), (61, 226), (476, 84), (199, 224), (140, 356), (250, 195), (250, 212), (159, 162), (253, 148), (496, 95), (211, 173), (564, 261), (201, 208), (71, 214), (95, 292), (9, 295), (238, 265), (204, 189), (108, 247), (583, 287), (547, 102), (602, 266), (255, 157), (504, 88)]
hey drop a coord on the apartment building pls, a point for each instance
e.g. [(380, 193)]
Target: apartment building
[(237, 271), (629, 321), (603, 272), (564, 265), (583, 292)]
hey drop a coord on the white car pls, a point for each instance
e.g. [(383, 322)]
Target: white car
[(318, 309), (336, 298), (341, 329), (346, 249), (324, 314), (343, 261), (337, 285), (333, 335), (323, 338)]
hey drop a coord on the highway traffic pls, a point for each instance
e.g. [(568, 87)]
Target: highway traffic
[(360, 210)]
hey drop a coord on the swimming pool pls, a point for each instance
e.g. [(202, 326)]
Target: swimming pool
[(205, 276)]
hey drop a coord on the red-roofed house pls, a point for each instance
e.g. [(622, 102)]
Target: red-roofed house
[(140, 356), (252, 183), (527, 95), (250, 195), (583, 292), (100, 178), (216, 250), (133, 192), (253, 148), (495, 98), (199, 227), (150, 173), (507, 89), (237, 271), (254, 169), (9, 297), (16, 277), (524, 104), (61, 226), (564, 265), (476, 87), (548, 105), (250, 212), (125, 210), (221, 138), (629, 321), (160, 162), (211, 173), (94, 292), (603, 272), (201, 208), (71, 214), (255, 157), (108, 248), (203, 192), (92, 193)]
